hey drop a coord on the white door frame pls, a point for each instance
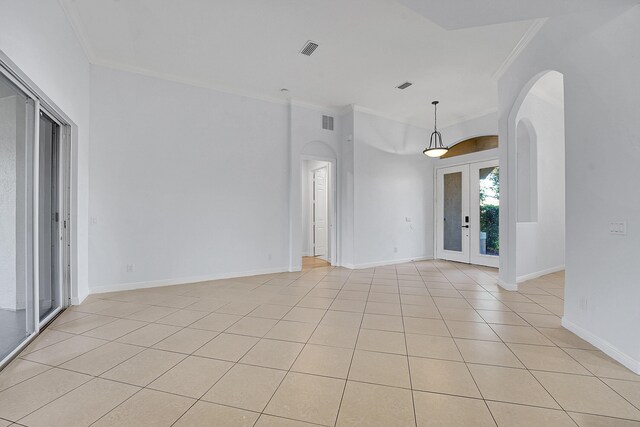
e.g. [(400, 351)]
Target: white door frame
[(62, 238), (332, 205), (487, 260)]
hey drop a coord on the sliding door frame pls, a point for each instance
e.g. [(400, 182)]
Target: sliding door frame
[(62, 236), (65, 195)]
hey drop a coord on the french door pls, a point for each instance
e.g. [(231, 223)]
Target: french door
[(467, 208)]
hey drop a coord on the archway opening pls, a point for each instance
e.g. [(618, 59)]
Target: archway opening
[(540, 183)]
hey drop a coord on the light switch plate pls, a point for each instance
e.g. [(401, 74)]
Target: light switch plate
[(618, 227)]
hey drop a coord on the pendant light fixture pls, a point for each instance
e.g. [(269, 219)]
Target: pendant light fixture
[(436, 148)]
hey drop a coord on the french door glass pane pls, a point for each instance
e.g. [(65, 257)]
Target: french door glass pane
[(16, 207), (489, 210), (452, 233)]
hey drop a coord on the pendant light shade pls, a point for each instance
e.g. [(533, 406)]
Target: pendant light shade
[(436, 147)]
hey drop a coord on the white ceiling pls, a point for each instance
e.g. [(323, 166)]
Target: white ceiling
[(456, 14), (367, 47)]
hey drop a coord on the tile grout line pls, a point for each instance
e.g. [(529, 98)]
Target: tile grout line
[(353, 353), (406, 349)]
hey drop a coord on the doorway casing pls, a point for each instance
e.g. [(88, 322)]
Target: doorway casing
[(332, 207)]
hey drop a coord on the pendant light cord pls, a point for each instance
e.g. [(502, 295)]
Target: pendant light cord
[(435, 117)]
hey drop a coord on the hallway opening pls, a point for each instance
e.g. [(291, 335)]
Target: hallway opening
[(317, 217)]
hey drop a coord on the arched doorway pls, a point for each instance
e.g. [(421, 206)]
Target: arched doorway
[(536, 166)]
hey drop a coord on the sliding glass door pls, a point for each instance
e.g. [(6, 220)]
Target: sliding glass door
[(34, 209), (17, 319)]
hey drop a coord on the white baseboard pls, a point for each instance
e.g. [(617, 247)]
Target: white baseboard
[(78, 299), (387, 262), (540, 273), (183, 280), (606, 347), (507, 286)]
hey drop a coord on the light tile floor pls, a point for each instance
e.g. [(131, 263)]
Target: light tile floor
[(428, 343)]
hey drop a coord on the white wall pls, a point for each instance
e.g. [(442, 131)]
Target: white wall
[(37, 37), (346, 186), (541, 243), (596, 54), (186, 183), (393, 184)]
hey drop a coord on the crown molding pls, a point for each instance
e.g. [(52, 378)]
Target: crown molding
[(398, 119), (469, 117), (318, 107), (457, 121), (189, 82), (288, 101), (519, 47)]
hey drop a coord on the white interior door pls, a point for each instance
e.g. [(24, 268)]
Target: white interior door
[(485, 209), (320, 212), (453, 213)]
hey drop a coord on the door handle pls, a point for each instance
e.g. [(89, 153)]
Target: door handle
[(465, 226)]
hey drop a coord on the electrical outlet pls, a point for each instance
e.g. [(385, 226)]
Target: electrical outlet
[(618, 227), (93, 220), (131, 268)]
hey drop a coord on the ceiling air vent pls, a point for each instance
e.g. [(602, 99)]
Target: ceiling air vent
[(404, 85), (327, 122), (309, 48)]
